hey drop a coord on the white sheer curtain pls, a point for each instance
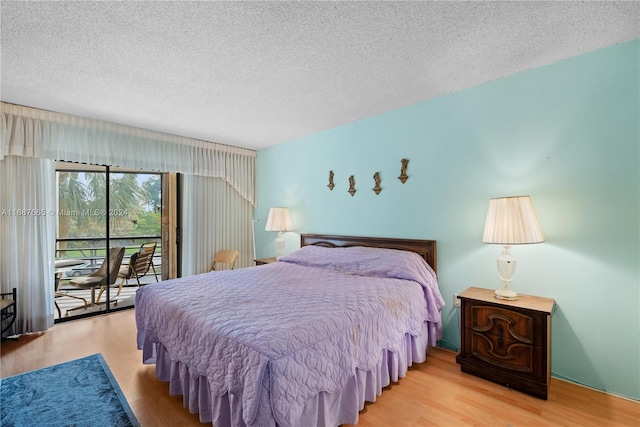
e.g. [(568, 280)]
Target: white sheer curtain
[(215, 217), (27, 238)]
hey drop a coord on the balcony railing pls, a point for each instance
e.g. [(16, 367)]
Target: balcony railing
[(92, 251)]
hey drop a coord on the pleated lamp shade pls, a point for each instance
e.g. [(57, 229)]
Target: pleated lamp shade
[(278, 220), (512, 221)]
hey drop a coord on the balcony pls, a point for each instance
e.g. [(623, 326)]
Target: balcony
[(85, 256)]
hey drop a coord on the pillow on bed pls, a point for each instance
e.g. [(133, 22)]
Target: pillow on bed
[(365, 261)]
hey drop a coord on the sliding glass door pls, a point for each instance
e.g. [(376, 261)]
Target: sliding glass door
[(99, 209)]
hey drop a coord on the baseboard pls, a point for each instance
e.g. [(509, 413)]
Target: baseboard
[(448, 346), (570, 381)]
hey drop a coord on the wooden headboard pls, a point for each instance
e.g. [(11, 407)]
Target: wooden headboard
[(425, 248)]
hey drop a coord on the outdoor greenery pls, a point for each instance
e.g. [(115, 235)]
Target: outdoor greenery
[(134, 206)]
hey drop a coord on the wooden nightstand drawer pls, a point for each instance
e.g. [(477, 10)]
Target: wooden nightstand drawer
[(503, 353), (508, 342), (498, 321)]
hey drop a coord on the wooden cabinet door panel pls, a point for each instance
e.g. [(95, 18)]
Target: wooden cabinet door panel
[(507, 324), (506, 354)]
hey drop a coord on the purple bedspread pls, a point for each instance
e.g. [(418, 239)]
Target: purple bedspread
[(303, 324)]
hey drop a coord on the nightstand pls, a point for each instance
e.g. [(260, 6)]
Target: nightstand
[(507, 342), (263, 261)]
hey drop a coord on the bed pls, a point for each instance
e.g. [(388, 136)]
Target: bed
[(304, 341)]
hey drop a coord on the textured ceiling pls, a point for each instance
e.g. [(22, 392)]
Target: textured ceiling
[(255, 74)]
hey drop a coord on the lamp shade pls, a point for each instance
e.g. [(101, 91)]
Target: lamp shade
[(512, 221), (278, 220)]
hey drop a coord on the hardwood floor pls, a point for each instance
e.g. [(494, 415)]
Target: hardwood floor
[(434, 393)]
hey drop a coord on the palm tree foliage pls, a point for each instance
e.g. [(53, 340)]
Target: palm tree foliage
[(72, 196), (82, 205), (153, 190)]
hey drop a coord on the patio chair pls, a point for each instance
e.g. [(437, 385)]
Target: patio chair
[(100, 278), (139, 265), (63, 265), (225, 257), (64, 293)]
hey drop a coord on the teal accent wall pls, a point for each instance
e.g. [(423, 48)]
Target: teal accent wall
[(567, 134)]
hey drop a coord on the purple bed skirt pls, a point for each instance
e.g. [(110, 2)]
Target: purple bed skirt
[(325, 409)]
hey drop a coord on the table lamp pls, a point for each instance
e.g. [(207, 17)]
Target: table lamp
[(510, 221), (279, 220)]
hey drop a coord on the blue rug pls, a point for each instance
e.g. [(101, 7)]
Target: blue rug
[(79, 393)]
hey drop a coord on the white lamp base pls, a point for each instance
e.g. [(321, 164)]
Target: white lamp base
[(280, 243), (506, 293), (506, 267)]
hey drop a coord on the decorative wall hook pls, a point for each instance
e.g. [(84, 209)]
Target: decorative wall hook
[(376, 179), (352, 184), (330, 185), (403, 170)]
